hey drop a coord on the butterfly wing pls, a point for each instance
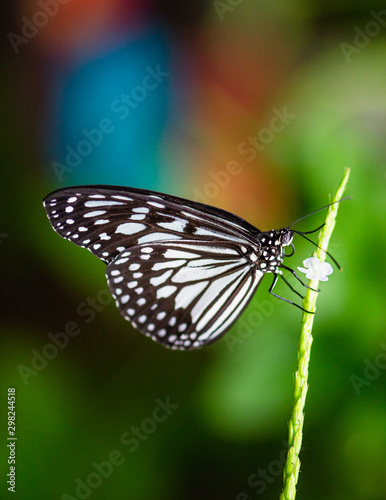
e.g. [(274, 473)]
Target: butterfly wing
[(183, 294), (108, 220)]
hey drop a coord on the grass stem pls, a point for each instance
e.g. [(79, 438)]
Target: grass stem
[(295, 425)]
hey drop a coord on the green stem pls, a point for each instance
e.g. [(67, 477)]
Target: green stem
[(292, 466)]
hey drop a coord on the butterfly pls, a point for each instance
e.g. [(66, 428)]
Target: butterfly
[(180, 271)]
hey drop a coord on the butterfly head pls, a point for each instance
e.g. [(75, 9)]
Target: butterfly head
[(271, 248), (285, 236)]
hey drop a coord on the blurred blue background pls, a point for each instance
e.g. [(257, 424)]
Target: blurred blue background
[(252, 107)]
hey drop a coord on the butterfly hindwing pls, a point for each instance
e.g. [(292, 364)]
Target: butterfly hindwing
[(183, 294), (108, 220)]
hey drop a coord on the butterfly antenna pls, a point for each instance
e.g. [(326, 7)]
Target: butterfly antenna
[(318, 210), (313, 242), (313, 231)]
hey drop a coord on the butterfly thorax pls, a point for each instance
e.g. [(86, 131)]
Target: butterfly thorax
[(271, 249)]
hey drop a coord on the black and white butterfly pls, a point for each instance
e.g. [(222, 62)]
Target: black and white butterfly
[(180, 271)]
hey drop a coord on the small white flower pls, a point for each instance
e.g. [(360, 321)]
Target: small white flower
[(316, 270)]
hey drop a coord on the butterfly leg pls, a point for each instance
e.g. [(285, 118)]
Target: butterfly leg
[(293, 250), (297, 277), (291, 287), (275, 278)]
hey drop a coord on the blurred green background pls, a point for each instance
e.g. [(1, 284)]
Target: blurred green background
[(255, 108)]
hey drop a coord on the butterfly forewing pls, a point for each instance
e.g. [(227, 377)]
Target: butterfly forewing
[(109, 220), (183, 294)]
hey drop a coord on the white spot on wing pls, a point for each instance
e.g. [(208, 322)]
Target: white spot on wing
[(206, 248), (172, 321), (157, 237), (176, 225), (155, 204), (94, 213), (119, 197), (121, 261), (161, 279), (195, 272), (141, 210), (215, 234), (165, 291), (168, 264), (130, 228), (178, 254), (92, 204), (187, 294)]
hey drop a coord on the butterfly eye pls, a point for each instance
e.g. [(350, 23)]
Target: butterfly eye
[(286, 238)]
